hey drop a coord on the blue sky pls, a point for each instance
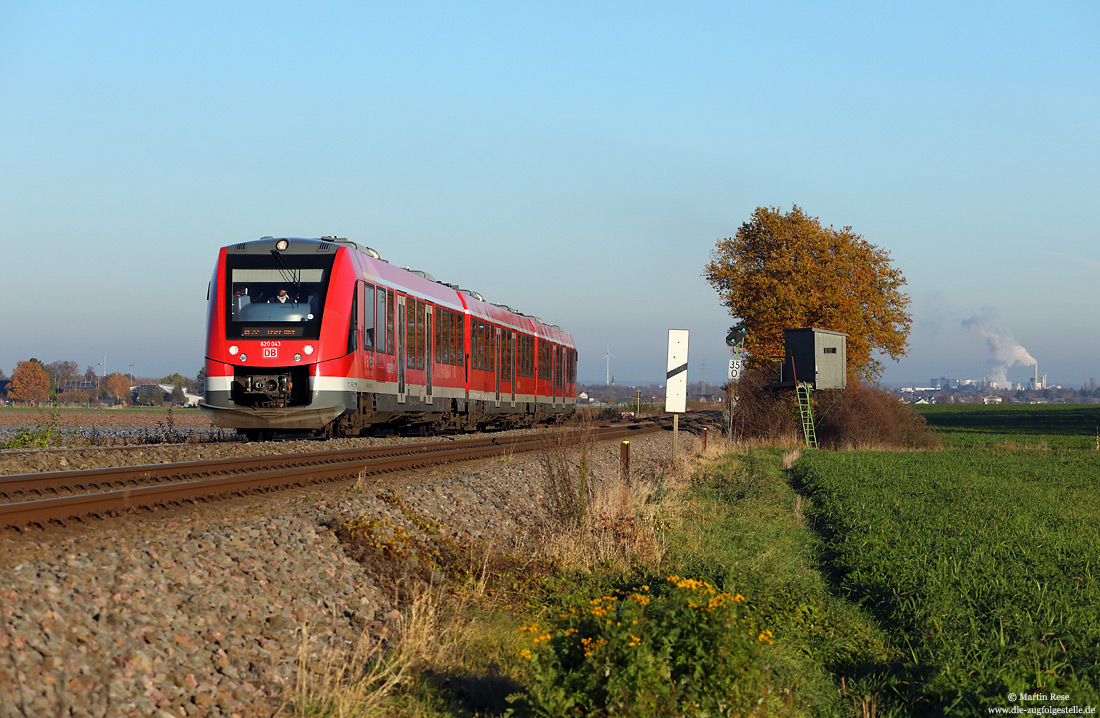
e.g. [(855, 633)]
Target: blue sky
[(574, 160)]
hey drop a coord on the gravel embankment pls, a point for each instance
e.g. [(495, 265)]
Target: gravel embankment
[(200, 611)]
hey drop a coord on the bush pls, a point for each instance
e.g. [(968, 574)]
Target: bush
[(863, 416), (763, 413), (683, 649), (859, 416)]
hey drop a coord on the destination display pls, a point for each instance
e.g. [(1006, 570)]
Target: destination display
[(259, 332)]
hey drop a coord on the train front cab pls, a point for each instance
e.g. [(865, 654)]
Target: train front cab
[(276, 316)]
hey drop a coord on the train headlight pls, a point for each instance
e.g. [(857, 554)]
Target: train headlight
[(244, 357), (309, 349), (233, 350), (282, 244), (297, 357)]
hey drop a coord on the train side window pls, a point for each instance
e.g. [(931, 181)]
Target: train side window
[(492, 348), (443, 328), (474, 336), (410, 333), (353, 322), (381, 330), (368, 317), (482, 346), (421, 329), (391, 338), (462, 340), (509, 354), (449, 342), (479, 345), (456, 348), (437, 344), (418, 334)]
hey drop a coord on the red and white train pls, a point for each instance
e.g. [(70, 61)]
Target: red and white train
[(324, 336)]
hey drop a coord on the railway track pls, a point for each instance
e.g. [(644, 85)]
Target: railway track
[(101, 492)]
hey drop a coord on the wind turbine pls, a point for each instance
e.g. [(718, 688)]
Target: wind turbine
[(608, 357)]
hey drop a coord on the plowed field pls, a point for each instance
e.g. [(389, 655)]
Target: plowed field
[(69, 427)]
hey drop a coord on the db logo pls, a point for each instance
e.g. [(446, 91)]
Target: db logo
[(271, 353)]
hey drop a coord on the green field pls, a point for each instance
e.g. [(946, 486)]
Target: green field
[(980, 561), (1067, 426)]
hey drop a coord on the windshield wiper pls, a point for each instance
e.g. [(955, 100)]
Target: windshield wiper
[(289, 275)]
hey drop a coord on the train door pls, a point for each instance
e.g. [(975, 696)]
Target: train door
[(463, 334), (401, 348), (556, 371), (561, 373), (429, 356), (497, 362), (513, 338)]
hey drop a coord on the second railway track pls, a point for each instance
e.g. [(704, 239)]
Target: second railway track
[(99, 492)]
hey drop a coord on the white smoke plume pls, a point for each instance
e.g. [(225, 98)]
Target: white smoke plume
[(1006, 350)]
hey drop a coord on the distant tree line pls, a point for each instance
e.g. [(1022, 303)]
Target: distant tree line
[(35, 382)]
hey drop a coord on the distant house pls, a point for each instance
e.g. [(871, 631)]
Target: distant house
[(166, 393), (992, 399), (147, 390)]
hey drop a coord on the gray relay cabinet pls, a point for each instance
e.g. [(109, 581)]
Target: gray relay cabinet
[(818, 357)]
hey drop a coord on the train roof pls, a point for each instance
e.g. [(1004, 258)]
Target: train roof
[(372, 267)]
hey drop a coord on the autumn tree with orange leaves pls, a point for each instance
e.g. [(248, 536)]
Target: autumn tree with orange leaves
[(118, 386), (785, 271), (30, 382)]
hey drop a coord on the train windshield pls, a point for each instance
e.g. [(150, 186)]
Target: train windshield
[(271, 296)]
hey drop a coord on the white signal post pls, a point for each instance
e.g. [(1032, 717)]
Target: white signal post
[(676, 380)]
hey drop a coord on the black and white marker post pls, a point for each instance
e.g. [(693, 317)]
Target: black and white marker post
[(676, 381)]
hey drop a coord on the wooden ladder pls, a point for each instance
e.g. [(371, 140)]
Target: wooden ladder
[(806, 411)]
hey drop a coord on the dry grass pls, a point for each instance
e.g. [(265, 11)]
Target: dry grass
[(359, 681), (600, 518), (352, 682)]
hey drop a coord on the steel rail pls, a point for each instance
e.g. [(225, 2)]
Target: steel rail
[(251, 474), (55, 482)]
